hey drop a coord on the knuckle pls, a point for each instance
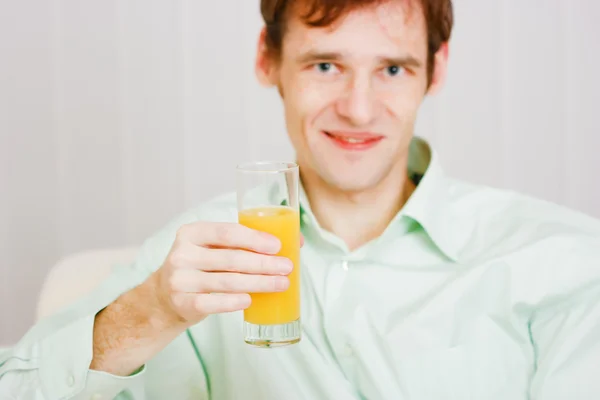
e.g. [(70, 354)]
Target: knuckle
[(183, 232), (222, 233), (263, 283), (177, 301), (173, 283), (274, 283), (224, 259), (264, 263), (279, 283), (235, 259), (227, 283), (198, 282), (206, 258), (177, 258), (200, 305)]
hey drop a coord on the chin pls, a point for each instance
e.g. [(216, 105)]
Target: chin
[(351, 183), (348, 172)]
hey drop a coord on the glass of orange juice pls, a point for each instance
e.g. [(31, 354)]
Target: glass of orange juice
[(267, 197)]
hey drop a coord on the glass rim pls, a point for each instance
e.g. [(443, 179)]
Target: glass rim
[(255, 167)]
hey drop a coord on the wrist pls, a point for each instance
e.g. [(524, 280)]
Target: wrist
[(160, 311), (133, 328)]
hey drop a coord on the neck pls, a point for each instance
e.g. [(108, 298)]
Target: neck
[(360, 216)]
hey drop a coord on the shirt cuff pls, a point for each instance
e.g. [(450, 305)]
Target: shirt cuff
[(62, 345), (104, 386), (64, 359)]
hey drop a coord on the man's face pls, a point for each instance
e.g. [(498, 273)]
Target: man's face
[(352, 91)]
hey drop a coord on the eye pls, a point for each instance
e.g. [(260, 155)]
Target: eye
[(325, 68), (394, 70)]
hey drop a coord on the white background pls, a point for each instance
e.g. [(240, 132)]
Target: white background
[(117, 115)]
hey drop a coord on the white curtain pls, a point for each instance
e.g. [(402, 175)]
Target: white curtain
[(117, 115)]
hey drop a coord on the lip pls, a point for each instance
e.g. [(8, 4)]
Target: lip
[(353, 141)]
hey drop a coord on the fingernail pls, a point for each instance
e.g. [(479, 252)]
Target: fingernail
[(274, 245), (281, 283), (245, 301), (285, 265)]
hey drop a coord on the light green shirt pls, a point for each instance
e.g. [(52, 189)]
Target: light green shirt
[(470, 293)]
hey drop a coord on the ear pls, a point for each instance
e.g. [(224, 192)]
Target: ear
[(440, 69), (266, 67)]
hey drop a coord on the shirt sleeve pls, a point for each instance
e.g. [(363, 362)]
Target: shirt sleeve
[(51, 362), (566, 340)]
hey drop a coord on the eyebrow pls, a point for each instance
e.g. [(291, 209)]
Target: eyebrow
[(314, 56)]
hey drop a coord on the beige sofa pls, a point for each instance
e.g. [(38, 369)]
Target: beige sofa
[(87, 269)]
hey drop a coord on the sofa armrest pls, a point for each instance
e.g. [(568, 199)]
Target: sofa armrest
[(78, 274)]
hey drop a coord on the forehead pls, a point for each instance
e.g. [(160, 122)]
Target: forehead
[(393, 26)]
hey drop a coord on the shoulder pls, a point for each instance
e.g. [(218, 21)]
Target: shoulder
[(491, 207), (548, 249), (506, 223)]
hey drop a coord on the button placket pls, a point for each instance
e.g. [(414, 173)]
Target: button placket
[(334, 310), (335, 281)]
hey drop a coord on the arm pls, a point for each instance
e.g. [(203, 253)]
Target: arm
[(51, 361), (205, 259), (566, 339), (131, 330), (95, 347)]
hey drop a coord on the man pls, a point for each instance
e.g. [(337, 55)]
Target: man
[(415, 285)]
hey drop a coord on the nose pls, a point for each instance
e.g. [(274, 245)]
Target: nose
[(358, 104)]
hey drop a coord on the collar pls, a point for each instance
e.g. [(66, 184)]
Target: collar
[(429, 205)]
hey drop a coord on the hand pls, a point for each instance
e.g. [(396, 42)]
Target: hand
[(212, 267)]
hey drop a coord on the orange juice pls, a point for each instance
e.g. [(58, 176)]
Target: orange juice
[(284, 223)]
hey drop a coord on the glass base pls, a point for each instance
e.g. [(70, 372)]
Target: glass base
[(272, 335)]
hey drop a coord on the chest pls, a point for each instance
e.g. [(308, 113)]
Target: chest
[(374, 330), (419, 331)]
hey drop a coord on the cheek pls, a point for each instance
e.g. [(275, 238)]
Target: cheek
[(312, 99), (403, 103)]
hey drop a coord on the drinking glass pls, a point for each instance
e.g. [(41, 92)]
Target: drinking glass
[(267, 198)]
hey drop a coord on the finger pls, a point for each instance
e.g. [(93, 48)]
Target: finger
[(228, 282), (227, 260), (301, 240), (186, 280), (189, 256), (231, 235), (195, 281), (211, 303)]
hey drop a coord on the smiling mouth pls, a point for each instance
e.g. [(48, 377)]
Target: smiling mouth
[(353, 140)]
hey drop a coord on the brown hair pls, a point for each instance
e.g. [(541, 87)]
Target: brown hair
[(438, 14)]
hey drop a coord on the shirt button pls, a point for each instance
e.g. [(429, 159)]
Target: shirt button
[(345, 265), (347, 350), (71, 381), (305, 218), (97, 396)]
